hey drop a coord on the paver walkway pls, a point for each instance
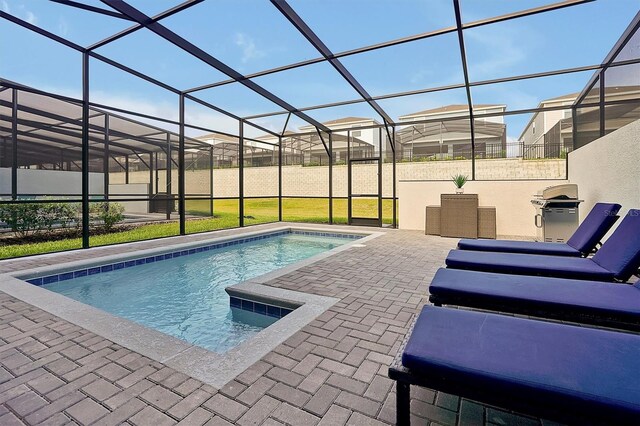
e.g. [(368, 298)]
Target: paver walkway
[(332, 372)]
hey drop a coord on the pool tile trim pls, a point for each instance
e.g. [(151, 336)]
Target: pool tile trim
[(260, 308), (68, 275)]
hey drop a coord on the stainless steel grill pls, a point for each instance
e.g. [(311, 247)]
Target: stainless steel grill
[(556, 216)]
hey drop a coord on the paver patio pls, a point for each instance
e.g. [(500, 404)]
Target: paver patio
[(332, 372)]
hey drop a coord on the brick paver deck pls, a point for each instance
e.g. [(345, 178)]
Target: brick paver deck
[(332, 372)]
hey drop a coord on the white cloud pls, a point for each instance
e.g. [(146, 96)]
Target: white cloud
[(31, 18), (26, 14), (248, 46), (63, 27), (5, 6)]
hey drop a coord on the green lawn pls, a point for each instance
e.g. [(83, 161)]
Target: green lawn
[(226, 216)]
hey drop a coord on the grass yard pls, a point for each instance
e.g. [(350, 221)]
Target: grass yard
[(257, 211)]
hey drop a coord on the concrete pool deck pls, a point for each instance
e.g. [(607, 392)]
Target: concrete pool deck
[(332, 371)]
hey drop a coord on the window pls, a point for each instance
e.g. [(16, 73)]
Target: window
[(356, 133), (533, 128)]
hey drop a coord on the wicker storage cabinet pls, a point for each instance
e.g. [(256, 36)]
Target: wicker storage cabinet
[(459, 215), (432, 221), (487, 222)]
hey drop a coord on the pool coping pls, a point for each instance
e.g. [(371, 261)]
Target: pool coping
[(202, 364)]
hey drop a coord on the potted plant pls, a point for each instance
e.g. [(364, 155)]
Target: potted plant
[(459, 181)]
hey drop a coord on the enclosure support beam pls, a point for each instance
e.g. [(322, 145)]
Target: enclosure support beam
[(150, 174), (181, 189), (328, 55), (167, 179), (227, 113), (463, 57), (326, 148), (403, 40), (205, 57), (211, 181), (140, 158), (126, 169), (601, 100), (14, 145), (380, 176), (348, 177), (105, 158), (330, 179), (395, 199), (286, 123), (85, 150), (280, 175), (165, 14), (157, 174), (241, 174)]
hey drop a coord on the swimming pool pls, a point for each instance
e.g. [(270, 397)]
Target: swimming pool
[(182, 293)]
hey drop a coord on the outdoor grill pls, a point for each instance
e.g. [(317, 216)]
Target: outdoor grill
[(556, 212)]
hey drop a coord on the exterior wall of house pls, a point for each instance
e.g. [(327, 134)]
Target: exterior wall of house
[(512, 200), (534, 134), (607, 169)]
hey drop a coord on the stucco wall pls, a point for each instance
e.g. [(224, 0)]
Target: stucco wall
[(313, 181), (608, 169), (514, 212), (31, 181), (132, 190)]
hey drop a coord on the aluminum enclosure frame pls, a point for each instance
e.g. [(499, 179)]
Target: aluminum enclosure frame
[(122, 10)]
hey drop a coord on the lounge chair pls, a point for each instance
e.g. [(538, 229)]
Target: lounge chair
[(584, 241), (617, 260), (550, 370), (590, 302)]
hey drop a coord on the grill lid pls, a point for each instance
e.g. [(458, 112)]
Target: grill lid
[(567, 191)]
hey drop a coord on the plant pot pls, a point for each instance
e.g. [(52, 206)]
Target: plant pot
[(459, 190)]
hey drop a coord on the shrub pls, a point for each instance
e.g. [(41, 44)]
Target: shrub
[(61, 214), (21, 218), (563, 153), (35, 218), (109, 214)]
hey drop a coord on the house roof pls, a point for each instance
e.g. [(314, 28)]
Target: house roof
[(451, 108), (268, 136), (343, 120), (217, 136), (347, 120), (567, 97)]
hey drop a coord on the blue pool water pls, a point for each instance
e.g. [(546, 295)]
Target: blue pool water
[(184, 296)]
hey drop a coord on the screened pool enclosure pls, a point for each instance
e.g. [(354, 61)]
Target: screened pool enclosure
[(152, 111)]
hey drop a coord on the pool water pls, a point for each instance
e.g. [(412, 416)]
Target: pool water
[(185, 297)]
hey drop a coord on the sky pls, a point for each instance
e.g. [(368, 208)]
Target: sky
[(251, 35)]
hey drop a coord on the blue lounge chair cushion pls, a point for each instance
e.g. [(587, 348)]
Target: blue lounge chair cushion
[(527, 247), (529, 292), (621, 252), (594, 227), (578, 368), (528, 264)]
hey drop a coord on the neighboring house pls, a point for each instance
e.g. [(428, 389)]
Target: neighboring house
[(225, 149), (302, 147), (445, 137), (364, 142), (548, 133)]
